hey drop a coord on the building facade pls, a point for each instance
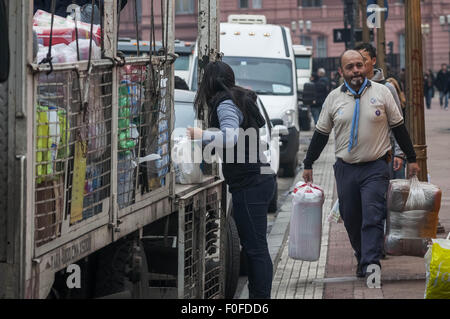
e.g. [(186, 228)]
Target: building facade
[(311, 23)]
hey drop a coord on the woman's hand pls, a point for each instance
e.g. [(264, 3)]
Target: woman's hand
[(194, 133)]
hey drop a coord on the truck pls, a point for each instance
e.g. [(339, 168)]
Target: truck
[(262, 59), (303, 65), (90, 207)]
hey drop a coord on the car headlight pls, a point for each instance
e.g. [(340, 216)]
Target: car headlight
[(288, 118)]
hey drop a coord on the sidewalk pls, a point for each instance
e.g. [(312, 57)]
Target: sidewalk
[(333, 276)]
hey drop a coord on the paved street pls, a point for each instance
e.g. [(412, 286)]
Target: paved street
[(333, 275)]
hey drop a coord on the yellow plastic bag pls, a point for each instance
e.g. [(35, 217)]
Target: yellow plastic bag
[(437, 261)]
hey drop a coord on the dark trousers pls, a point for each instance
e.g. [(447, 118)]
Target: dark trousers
[(362, 203), (250, 207), (315, 112)]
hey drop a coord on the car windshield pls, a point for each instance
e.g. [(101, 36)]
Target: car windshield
[(302, 62), (262, 75), (184, 115), (182, 63)]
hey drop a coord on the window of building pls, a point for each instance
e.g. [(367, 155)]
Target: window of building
[(184, 6), (309, 3), (321, 46), (257, 4), (243, 4), (305, 40)]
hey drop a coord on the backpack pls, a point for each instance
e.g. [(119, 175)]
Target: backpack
[(400, 93)]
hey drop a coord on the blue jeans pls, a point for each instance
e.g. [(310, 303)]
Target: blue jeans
[(250, 207), (315, 112), (362, 204), (443, 97)]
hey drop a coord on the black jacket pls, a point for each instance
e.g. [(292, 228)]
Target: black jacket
[(61, 5), (442, 80)]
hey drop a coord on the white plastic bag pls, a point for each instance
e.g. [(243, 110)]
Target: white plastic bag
[(187, 157), (334, 215), (416, 198), (305, 229)]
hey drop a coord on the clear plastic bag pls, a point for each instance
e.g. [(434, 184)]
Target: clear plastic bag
[(187, 159), (416, 198), (334, 215)]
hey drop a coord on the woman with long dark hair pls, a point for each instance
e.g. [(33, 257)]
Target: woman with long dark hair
[(233, 110)]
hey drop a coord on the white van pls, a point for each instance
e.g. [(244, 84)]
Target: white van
[(262, 59), (303, 64)]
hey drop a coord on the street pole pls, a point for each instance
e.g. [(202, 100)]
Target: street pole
[(381, 43), (365, 28), (415, 117)]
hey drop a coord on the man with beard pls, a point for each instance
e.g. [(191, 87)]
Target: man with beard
[(361, 113)]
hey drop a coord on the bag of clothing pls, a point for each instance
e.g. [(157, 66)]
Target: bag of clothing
[(437, 262), (305, 229), (412, 216)]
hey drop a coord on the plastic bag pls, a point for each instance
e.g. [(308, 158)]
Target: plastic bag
[(83, 45), (61, 53), (334, 215), (187, 159), (63, 29), (412, 216), (416, 198), (305, 229), (437, 262)]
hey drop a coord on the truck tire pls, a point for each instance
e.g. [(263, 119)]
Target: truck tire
[(273, 206), (232, 259), (122, 266)]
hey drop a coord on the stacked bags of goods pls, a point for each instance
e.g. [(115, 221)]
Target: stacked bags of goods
[(412, 217)]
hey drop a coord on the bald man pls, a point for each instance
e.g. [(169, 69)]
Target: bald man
[(361, 112)]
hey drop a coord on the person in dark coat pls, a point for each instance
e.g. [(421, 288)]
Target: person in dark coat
[(441, 84), (62, 5), (428, 87)]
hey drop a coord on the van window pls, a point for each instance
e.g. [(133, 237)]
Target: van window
[(263, 75), (182, 63), (303, 62)]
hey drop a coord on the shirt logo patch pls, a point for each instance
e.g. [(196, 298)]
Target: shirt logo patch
[(373, 101), (340, 112), (377, 112)]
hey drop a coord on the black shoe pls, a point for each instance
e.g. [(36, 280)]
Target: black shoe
[(359, 271)]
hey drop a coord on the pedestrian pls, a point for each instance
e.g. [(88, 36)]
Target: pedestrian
[(402, 78), (369, 53), (428, 87), (251, 183), (361, 112), (441, 84), (322, 88)]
